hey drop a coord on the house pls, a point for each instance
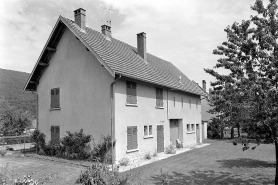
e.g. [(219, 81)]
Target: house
[(85, 79)]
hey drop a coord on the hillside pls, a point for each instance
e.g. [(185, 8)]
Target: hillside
[(11, 89)]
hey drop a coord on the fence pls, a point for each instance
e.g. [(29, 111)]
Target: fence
[(16, 142)]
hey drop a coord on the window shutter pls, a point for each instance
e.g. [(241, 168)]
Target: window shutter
[(58, 98), (131, 92), (129, 138), (134, 138), (52, 98), (52, 134)]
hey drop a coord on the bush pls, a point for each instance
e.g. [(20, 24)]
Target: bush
[(98, 174), (3, 152), (27, 180), (101, 150), (148, 155), (171, 149), (75, 145), (124, 161)]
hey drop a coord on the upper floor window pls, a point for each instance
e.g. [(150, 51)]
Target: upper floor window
[(159, 97), (55, 98), (174, 100), (131, 92), (196, 104)]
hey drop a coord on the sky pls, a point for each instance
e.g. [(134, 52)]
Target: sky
[(183, 32)]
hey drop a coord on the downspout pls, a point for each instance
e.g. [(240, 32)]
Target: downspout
[(112, 131), (167, 106), (37, 115)]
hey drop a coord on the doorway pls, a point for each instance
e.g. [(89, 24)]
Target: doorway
[(160, 138)]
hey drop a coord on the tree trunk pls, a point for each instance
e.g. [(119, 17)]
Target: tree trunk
[(276, 153)]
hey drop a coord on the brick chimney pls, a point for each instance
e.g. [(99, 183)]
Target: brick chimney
[(80, 17), (141, 45), (204, 85), (106, 30)]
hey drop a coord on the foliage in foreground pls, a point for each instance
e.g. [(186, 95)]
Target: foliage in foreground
[(13, 121), (247, 96), (99, 174)]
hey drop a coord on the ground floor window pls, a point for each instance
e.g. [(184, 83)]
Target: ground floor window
[(55, 134), (192, 127), (148, 130), (132, 138)]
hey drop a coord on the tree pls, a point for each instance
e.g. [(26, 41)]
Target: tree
[(250, 55), (13, 121)]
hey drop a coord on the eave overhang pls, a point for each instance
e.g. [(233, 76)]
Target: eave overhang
[(49, 50)]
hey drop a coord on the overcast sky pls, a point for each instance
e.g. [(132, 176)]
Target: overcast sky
[(183, 32)]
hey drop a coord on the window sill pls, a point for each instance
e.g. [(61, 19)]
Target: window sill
[(159, 107), (52, 109), (191, 132), (147, 137), (131, 105), (133, 150)]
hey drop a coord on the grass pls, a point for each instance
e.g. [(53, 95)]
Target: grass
[(219, 163)]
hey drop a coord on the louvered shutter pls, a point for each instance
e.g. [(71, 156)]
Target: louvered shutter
[(57, 135), (52, 133), (159, 97), (134, 138), (133, 93), (52, 98), (57, 98), (129, 138), (128, 92)]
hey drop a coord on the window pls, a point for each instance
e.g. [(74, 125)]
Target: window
[(148, 131), (188, 128), (159, 97), (55, 134), (192, 127), (132, 138), (181, 102), (190, 104), (131, 92), (145, 130), (196, 104), (174, 100), (55, 98)]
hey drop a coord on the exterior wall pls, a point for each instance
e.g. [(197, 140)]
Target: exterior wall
[(84, 91), (146, 113)]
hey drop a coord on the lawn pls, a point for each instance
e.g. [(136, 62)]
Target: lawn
[(219, 163)]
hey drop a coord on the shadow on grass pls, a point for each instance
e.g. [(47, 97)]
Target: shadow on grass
[(209, 177), (246, 163)]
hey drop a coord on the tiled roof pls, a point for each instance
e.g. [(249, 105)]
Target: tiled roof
[(124, 60)]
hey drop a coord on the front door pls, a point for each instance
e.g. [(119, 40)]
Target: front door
[(198, 132), (160, 138), (174, 131)]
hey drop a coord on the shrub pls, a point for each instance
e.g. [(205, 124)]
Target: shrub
[(155, 153), (3, 152), (171, 149), (124, 161), (27, 180), (76, 145), (148, 155), (98, 174), (101, 150)]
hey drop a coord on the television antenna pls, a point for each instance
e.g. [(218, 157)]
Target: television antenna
[(110, 10)]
